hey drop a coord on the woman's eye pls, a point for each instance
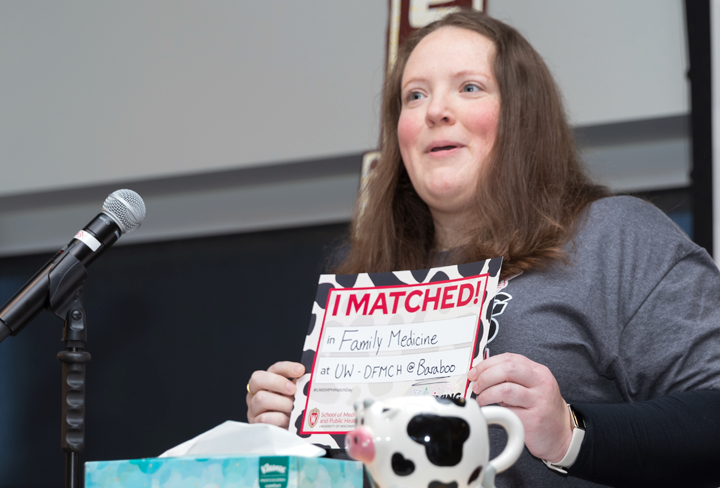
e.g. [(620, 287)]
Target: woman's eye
[(471, 88), (415, 96)]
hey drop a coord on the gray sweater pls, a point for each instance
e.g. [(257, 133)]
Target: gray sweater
[(633, 316)]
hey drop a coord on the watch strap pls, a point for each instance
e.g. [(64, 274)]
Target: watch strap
[(575, 443)]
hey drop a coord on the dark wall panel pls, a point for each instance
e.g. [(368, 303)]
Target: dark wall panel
[(175, 329)]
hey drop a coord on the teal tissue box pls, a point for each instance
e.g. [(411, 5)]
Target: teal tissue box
[(225, 472)]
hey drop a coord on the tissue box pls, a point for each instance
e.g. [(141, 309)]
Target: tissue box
[(225, 472)]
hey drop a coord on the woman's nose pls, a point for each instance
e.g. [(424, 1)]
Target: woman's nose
[(439, 111)]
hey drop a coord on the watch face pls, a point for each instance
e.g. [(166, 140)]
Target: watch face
[(577, 418)]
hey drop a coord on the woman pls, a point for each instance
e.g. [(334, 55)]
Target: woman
[(608, 306)]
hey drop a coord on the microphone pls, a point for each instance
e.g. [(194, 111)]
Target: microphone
[(122, 212)]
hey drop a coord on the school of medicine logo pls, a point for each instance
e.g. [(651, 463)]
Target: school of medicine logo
[(314, 416)]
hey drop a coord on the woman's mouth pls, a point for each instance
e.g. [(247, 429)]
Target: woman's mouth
[(442, 148)]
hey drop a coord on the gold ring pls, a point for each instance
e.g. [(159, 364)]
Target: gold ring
[(248, 389)]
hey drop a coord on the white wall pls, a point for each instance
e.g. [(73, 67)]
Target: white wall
[(95, 92), (615, 60)]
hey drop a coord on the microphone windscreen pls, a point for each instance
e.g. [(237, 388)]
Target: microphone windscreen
[(126, 208)]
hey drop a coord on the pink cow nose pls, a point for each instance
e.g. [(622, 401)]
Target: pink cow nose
[(360, 445)]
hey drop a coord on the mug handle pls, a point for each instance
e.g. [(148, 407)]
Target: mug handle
[(516, 441)]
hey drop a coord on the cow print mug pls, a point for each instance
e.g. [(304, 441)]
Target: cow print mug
[(429, 442)]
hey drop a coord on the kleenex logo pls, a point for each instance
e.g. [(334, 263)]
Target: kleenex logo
[(273, 468)]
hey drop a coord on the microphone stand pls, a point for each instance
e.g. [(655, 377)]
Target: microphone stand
[(66, 282), (58, 287)]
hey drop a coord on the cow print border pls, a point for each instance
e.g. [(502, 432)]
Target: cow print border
[(413, 277)]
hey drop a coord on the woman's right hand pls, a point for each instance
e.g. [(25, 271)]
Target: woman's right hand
[(272, 392)]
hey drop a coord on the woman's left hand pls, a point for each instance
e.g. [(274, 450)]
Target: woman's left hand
[(530, 390)]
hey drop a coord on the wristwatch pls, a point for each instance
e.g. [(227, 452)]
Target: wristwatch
[(578, 435)]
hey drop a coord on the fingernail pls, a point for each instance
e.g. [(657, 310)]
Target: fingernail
[(472, 375), (297, 369), (290, 387)]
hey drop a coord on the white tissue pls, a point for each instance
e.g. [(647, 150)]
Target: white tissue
[(241, 438)]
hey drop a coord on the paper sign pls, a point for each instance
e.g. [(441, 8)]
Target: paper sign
[(384, 335)]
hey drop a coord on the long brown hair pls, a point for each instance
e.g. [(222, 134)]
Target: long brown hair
[(533, 188)]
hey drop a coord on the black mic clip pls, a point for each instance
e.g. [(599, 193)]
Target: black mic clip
[(65, 283)]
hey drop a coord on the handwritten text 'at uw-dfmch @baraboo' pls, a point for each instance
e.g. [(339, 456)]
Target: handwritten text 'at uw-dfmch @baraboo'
[(404, 367)]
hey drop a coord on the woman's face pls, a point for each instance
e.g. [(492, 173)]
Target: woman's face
[(449, 118)]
